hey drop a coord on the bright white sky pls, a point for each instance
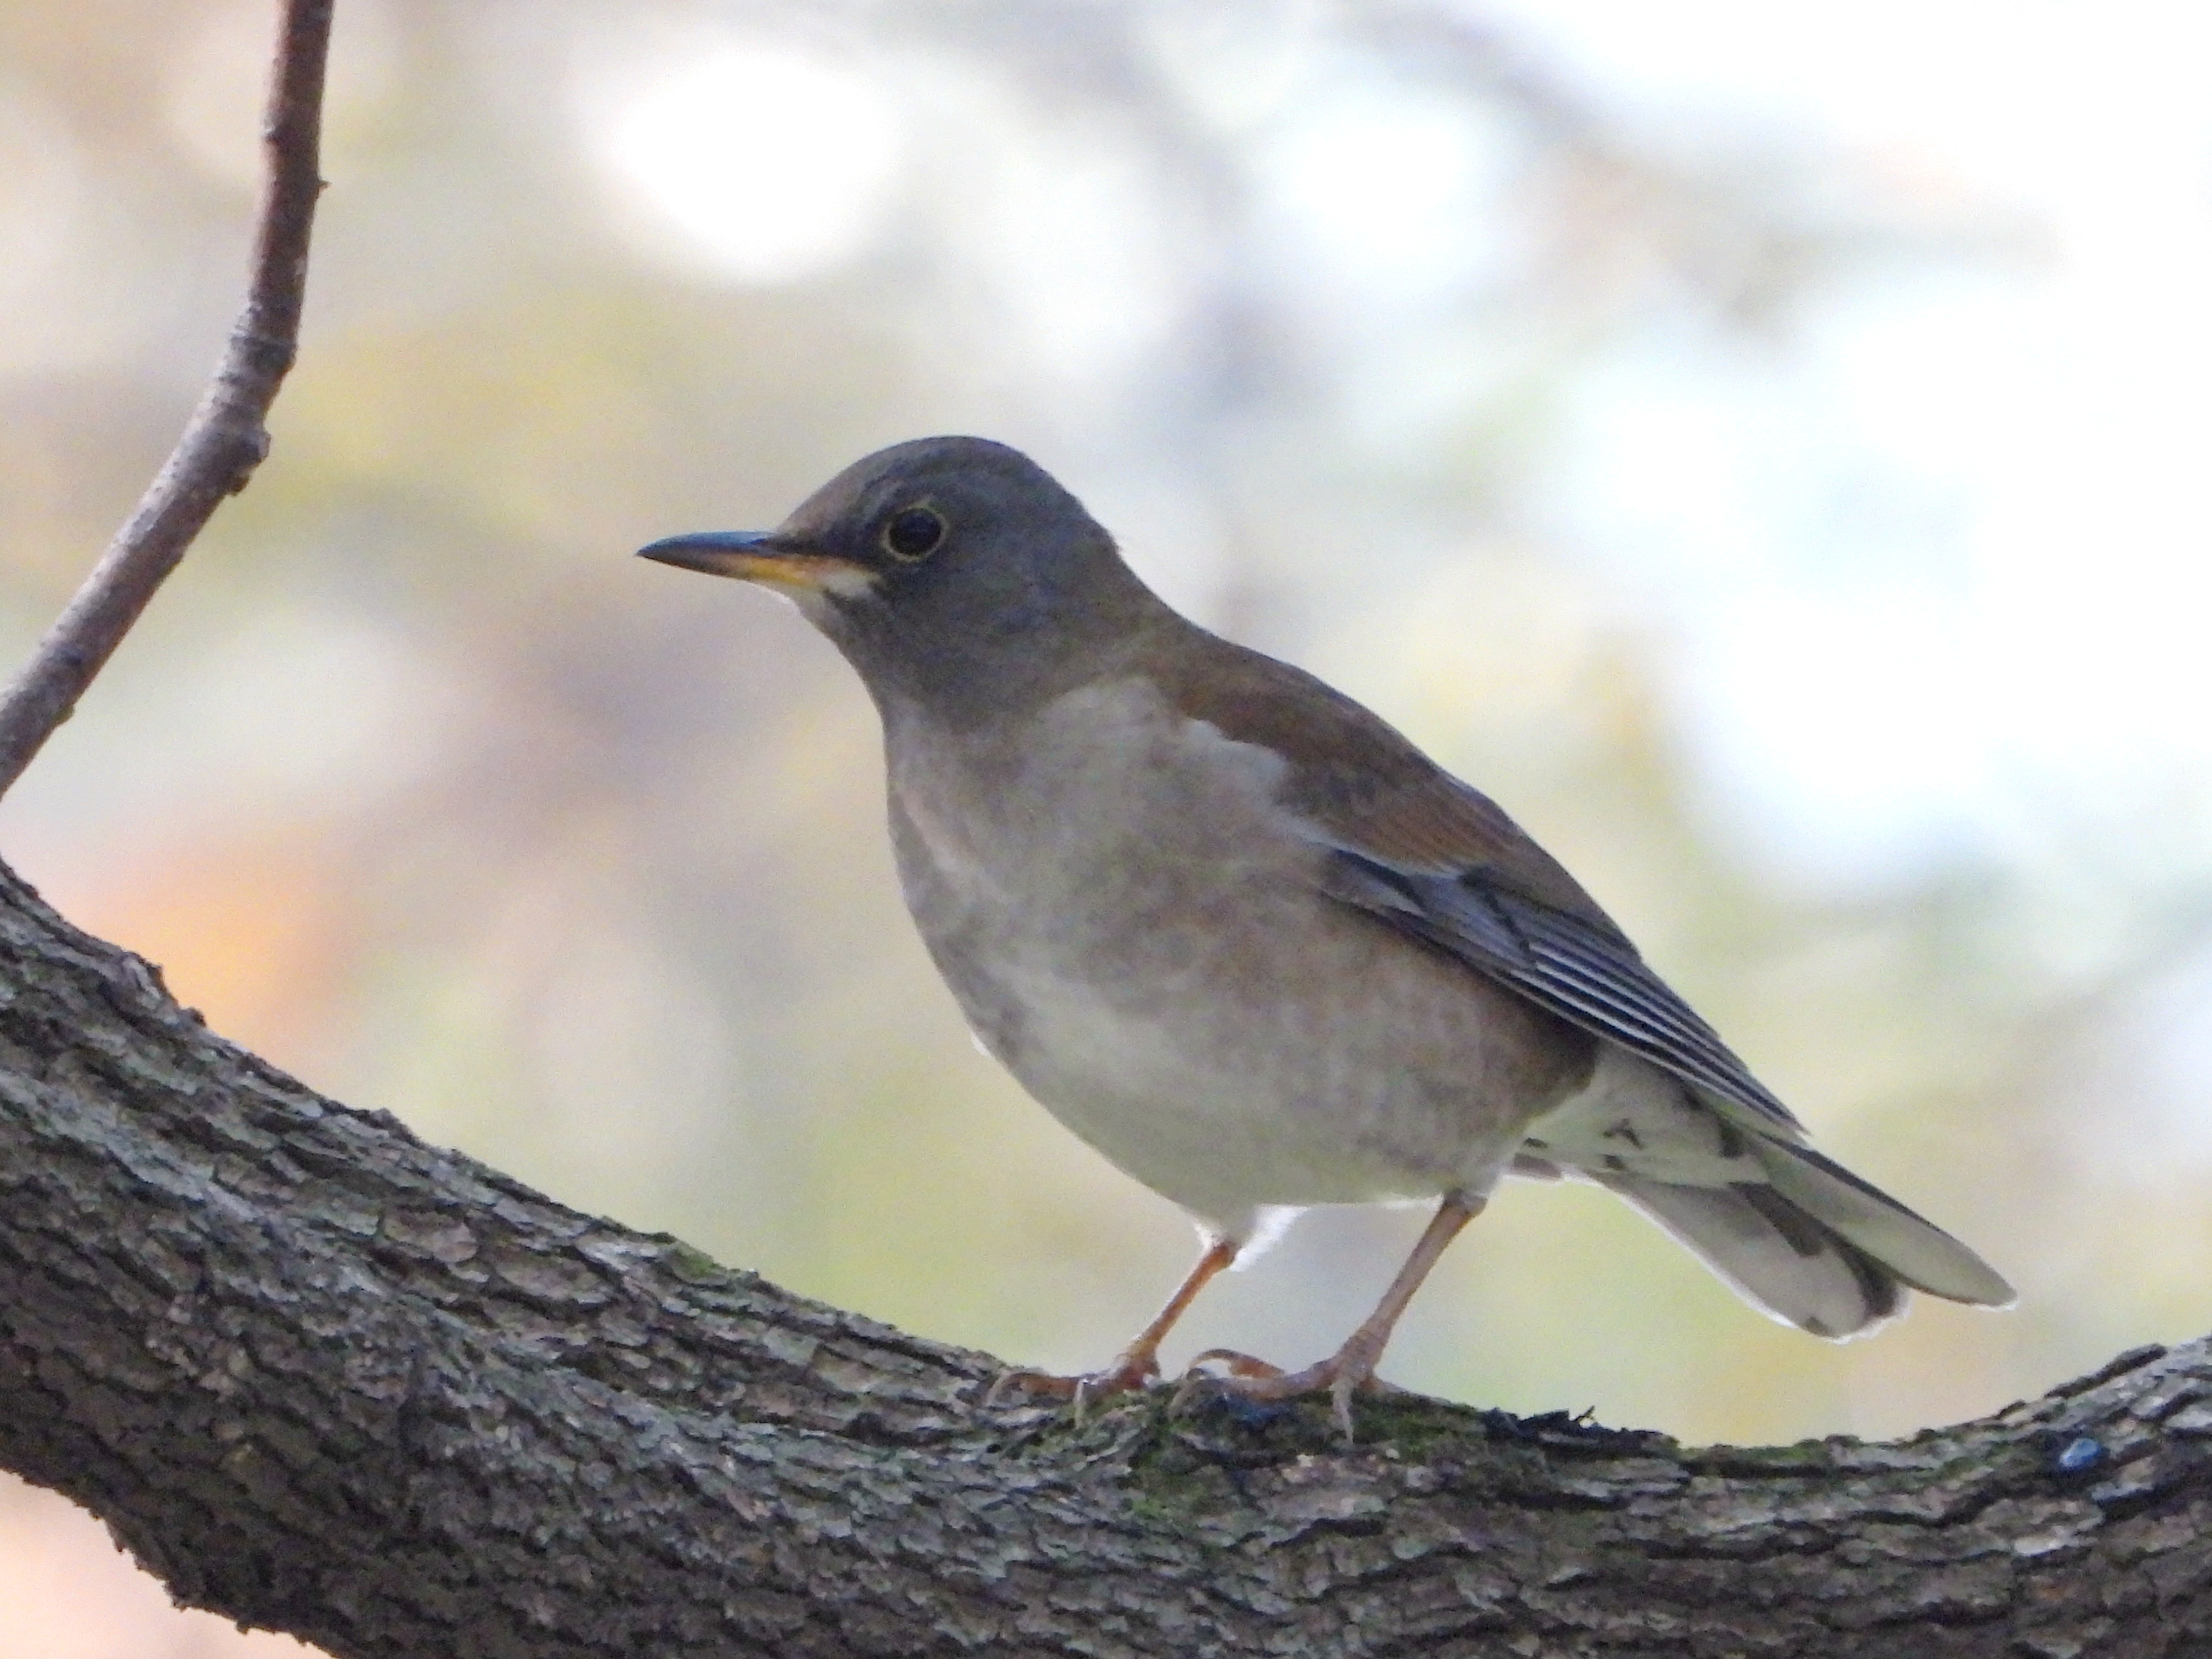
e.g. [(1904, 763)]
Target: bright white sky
[(1937, 570), (2036, 645)]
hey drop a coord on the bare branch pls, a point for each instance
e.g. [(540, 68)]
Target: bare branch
[(226, 436)]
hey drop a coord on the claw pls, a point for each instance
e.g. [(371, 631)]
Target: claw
[(1254, 1384), (1131, 1374), (1247, 1382), (1351, 1367), (1342, 1387), (1032, 1381), (1138, 1366), (1234, 1364)]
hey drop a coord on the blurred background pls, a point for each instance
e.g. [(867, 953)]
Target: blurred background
[(1763, 447)]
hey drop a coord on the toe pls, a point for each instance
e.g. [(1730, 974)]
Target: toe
[(1340, 1391), (1228, 1362), (1021, 1381), (1130, 1373)]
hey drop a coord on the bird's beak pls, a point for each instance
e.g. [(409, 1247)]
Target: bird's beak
[(756, 555)]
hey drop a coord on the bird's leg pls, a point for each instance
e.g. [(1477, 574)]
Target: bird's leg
[(1351, 1367), (1139, 1364)]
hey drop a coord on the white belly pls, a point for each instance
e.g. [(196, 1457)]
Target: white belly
[(1141, 939)]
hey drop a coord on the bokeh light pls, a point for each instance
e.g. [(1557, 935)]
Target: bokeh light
[(761, 160), (1759, 446)]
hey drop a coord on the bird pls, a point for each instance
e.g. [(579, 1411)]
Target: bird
[(1244, 938)]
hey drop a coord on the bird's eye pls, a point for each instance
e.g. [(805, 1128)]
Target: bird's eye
[(913, 534)]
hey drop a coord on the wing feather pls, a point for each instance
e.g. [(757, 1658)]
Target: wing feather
[(1413, 845), (1591, 979), (1406, 843)]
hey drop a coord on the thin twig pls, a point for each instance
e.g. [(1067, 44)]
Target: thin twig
[(225, 437)]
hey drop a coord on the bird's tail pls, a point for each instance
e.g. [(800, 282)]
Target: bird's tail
[(1812, 1244)]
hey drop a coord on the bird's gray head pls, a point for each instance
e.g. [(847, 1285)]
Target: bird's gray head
[(954, 572)]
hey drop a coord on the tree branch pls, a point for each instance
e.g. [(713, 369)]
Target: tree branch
[(323, 1378), (226, 436)]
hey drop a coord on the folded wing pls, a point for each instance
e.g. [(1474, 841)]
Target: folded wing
[(1710, 1153)]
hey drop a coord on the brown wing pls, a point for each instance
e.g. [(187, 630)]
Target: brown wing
[(1414, 846)]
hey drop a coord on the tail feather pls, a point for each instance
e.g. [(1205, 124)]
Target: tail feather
[(1797, 1233), (1915, 1251), (1772, 1254)]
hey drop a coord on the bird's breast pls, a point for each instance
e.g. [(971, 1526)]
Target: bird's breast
[(1099, 839), (1136, 928)]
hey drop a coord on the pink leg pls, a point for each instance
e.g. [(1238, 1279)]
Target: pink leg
[(1139, 1363), (1351, 1366)]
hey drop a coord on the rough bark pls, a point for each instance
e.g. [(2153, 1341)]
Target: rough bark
[(321, 1377)]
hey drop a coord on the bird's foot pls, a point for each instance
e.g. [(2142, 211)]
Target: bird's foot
[(1229, 1362), (1134, 1371), (1226, 1376)]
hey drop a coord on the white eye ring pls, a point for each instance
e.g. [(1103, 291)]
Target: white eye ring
[(913, 533)]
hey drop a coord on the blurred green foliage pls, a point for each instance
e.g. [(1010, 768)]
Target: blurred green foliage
[(419, 785)]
